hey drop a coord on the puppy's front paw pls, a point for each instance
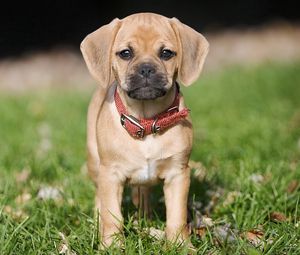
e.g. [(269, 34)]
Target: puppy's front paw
[(177, 233), (111, 241)]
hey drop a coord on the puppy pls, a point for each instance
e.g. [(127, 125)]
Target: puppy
[(138, 128)]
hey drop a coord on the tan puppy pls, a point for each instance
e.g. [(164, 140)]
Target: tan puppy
[(137, 61)]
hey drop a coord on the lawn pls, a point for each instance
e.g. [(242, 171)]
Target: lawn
[(244, 197)]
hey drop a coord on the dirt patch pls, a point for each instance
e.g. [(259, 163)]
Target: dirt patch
[(269, 43), (55, 68)]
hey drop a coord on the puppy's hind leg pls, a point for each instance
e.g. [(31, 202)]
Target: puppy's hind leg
[(141, 200)]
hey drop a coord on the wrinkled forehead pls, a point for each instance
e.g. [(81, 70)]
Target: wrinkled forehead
[(145, 33)]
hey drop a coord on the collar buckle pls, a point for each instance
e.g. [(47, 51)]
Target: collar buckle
[(141, 132)]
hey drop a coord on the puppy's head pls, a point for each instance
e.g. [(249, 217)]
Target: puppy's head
[(145, 53)]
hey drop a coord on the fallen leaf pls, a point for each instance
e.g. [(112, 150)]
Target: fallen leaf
[(208, 222), (293, 165), (199, 224), (64, 247), (71, 201), (225, 233), (7, 209), (231, 197), (46, 193), (293, 186), (16, 214), (214, 196), (200, 231), (197, 220), (277, 217), (156, 233), (195, 205), (270, 240), (23, 175), (256, 178), (23, 198), (254, 237)]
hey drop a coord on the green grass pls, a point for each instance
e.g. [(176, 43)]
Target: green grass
[(246, 124)]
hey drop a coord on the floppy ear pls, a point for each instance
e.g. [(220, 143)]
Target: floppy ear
[(96, 50), (194, 49)]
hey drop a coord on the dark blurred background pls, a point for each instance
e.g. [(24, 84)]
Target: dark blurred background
[(27, 27)]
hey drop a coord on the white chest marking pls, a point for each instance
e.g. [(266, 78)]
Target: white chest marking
[(148, 172)]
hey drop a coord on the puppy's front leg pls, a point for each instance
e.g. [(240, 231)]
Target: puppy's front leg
[(109, 197), (176, 194)]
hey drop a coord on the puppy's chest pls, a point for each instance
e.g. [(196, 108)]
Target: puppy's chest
[(145, 173), (153, 162)]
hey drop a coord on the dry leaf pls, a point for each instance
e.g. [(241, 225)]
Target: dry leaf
[(195, 205), (156, 233), (23, 175), (214, 198), (277, 217), (293, 186), (200, 231), (199, 224), (208, 222), (16, 214), (7, 209), (254, 236), (71, 201), (23, 198), (293, 165), (197, 220), (46, 193), (225, 233), (231, 197), (256, 178), (64, 247)]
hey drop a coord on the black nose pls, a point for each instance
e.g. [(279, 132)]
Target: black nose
[(146, 70)]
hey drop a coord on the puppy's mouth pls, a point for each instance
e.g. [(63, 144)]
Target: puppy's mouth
[(146, 93), (147, 87)]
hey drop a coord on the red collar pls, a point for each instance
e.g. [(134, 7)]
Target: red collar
[(138, 128)]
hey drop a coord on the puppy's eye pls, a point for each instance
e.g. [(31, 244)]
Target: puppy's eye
[(167, 54), (125, 54)]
